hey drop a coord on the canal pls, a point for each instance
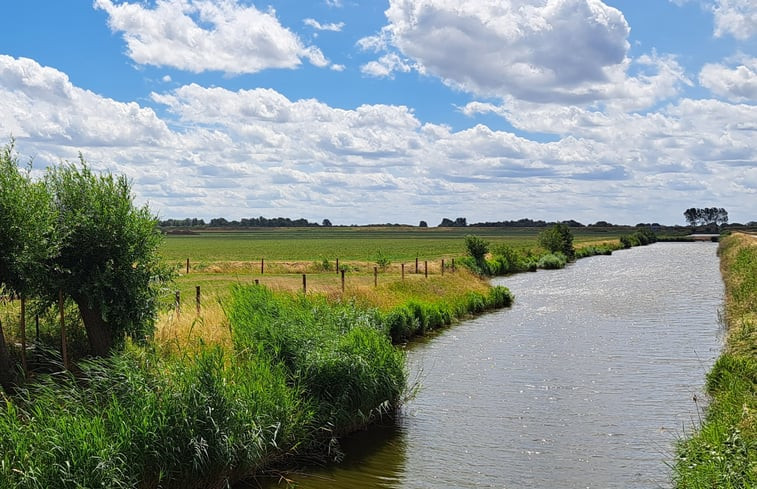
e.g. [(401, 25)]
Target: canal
[(586, 382)]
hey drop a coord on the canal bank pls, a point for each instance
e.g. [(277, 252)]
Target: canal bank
[(723, 451), (587, 381)]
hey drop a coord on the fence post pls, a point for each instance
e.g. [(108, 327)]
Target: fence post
[(22, 327), (403, 271), (262, 265), (304, 284), (442, 266), (425, 268), (342, 281), (375, 276), (453, 264), (36, 325), (178, 303), (187, 266), (337, 266), (64, 347), (416, 265), (257, 282), (197, 290)]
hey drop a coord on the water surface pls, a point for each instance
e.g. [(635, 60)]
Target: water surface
[(586, 382)]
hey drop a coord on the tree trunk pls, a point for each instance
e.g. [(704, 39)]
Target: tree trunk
[(99, 332), (7, 376)]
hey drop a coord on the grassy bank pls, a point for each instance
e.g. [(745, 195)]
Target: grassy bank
[(253, 381), (722, 453)]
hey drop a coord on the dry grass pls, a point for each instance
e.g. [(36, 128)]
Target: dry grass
[(187, 331)]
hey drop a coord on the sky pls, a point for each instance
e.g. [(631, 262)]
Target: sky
[(397, 111)]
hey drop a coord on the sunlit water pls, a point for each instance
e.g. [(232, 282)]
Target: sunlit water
[(586, 382)]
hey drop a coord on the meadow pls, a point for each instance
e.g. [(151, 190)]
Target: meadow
[(353, 243)]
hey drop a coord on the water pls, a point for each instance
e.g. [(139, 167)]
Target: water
[(586, 382)]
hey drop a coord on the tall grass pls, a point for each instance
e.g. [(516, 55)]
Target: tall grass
[(338, 354), (722, 453), (137, 420)]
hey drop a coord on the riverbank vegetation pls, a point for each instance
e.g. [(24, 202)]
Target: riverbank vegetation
[(253, 379), (722, 452)]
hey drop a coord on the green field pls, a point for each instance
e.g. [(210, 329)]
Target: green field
[(361, 244)]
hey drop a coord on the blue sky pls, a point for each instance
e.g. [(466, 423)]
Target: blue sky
[(394, 111)]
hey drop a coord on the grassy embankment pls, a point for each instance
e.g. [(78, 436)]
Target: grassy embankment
[(218, 397), (722, 453)]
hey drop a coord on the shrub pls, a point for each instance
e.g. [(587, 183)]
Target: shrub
[(553, 261), (558, 238)]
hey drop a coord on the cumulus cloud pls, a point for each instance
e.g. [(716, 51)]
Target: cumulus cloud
[(41, 103), (207, 35), (542, 51), (737, 18), (737, 83), (234, 152)]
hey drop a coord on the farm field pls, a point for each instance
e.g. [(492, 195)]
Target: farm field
[(221, 258), (361, 244)]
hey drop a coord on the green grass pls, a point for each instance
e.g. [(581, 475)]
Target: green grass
[(361, 244), (722, 453)]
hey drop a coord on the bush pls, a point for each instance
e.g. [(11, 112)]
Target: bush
[(553, 261), (556, 239)]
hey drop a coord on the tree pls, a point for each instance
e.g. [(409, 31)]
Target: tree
[(706, 216), (108, 260), (26, 224), (558, 238), (326, 223), (423, 224)]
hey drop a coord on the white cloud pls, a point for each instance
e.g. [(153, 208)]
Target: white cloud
[(235, 153), (333, 27), (41, 103), (555, 50), (207, 35), (737, 18), (738, 83), (386, 66)]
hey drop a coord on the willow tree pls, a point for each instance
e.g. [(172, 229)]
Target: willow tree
[(27, 243), (108, 260)]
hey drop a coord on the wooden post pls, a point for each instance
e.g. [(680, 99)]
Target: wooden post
[(197, 291), (442, 266), (262, 265), (36, 325), (342, 281), (425, 268), (304, 284), (375, 276), (257, 282), (187, 266), (63, 345), (337, 266), (178, 303), (416, 265), (403, 271), (453, 264), (22, 327)]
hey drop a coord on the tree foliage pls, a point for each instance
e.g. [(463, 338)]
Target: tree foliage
[(706, 216), (108, 258), (558, 238), (27, 221)]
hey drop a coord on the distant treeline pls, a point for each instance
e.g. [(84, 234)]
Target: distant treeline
[(283, 222), (252, 222)]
